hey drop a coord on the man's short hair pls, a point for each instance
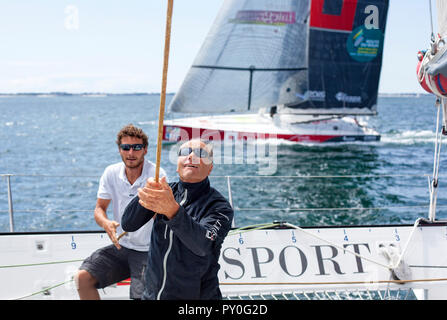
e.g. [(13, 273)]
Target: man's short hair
[(131, 131)]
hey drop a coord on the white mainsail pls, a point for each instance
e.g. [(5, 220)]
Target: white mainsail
[(251, 50), (313, 57)]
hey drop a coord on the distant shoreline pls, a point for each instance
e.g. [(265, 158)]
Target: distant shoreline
[(81, 94), (402, 95), (68, 94)]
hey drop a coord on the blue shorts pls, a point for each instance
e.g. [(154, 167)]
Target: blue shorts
[(109, 265)]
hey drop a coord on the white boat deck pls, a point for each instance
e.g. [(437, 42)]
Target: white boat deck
[(388, 262)]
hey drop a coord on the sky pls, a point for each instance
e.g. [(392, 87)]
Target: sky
[(117, 46)]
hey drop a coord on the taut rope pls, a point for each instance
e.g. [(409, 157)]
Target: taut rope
[(163, 93), (163, 86)]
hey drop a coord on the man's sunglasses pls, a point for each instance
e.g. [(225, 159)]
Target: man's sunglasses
[(199, 152), (136, 147)]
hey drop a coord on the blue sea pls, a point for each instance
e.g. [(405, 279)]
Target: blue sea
[(56, 148)]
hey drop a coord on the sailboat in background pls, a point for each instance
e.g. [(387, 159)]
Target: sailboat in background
[(295, 70), (277, 260)]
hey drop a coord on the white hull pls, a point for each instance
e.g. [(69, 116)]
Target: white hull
[(292, 128), (286, 261)]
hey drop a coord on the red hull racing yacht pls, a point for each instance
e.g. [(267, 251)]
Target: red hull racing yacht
[(300, 71)]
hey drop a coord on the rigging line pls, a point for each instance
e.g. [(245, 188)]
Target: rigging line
[(252, 228), (163, 86), (431, 21), (407, 243), (331, 176), (440, 143), (332, 209), (162, 94), (437, 148), (338, 246), (433, 186), (260, 209), (44, 290), (390, 267), (332, 282), (334, 244), (243, 177), (38, 264), (46, 175), (48, 210)]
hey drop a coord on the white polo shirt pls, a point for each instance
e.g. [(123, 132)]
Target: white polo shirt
[(114, 186)]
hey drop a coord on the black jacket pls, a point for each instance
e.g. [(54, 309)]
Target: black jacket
[(184, 251)]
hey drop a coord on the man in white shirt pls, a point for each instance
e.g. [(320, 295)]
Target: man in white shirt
[(119, 184)]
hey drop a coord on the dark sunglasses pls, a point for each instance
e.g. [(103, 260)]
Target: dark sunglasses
[(136, 147), (199, 152)]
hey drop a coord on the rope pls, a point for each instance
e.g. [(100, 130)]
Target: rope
[(269, 225), (236, 177), (262, 226), (38, 264), (46, 175), (329, 282), (337, 245), (275, 284), (264, 209), (433, 187), (332, 209), (163, 86), (121, 235), (44, 290), (407, 243), (252, 228), (328, 176), (431, 22), (389, 267), (162, 94)]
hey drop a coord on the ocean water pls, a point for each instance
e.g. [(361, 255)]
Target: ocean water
[(56, 148)]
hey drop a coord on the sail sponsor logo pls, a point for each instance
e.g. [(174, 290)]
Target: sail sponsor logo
[(277, 18), (364, 44), (343, 97), (313, 95)]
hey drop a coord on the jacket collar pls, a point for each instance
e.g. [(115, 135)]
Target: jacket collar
[(194, 190)]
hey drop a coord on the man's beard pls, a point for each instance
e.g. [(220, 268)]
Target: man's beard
[(135, 164)]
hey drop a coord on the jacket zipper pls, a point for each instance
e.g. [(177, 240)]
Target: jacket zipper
[(165, 259)]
